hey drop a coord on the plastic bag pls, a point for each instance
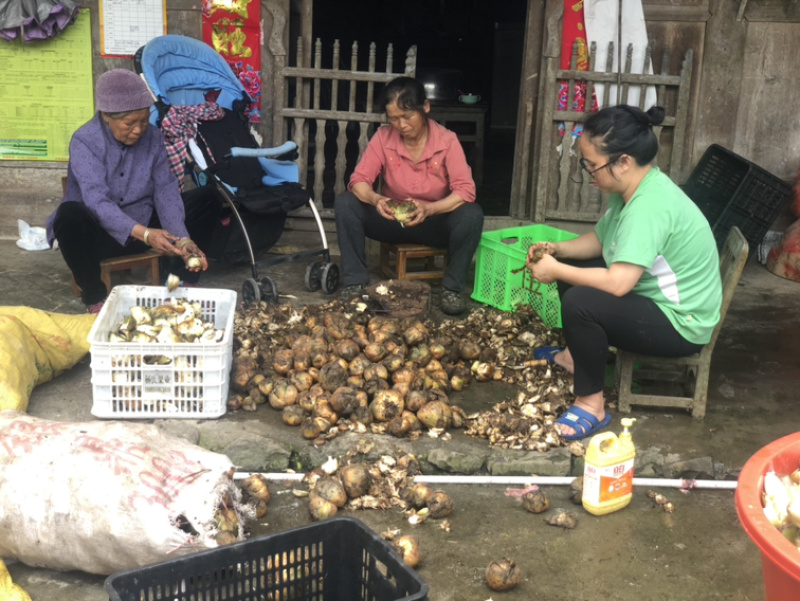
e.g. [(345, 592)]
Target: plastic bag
[(31, 238), (771, 238)]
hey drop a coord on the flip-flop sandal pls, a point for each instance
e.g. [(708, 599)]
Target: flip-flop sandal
[(547, 352), (584, 423)]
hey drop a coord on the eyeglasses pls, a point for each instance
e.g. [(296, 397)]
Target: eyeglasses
[(585, 166)]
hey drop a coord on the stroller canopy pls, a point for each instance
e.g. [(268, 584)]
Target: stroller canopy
[(180, 70)]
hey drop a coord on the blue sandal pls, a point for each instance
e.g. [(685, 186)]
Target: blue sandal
[(584, 423), (548, 353)]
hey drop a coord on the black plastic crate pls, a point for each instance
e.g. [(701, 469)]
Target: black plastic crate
[(339, 559), (730, 190)]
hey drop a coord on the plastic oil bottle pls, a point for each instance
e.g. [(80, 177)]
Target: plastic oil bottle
[(608, 471)]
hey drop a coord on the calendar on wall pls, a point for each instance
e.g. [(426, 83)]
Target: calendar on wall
[(127, 25)]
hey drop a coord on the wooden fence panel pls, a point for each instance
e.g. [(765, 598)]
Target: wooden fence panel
[(563, 190), (330, 112)]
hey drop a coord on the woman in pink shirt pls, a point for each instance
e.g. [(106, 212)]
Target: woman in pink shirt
[(418, 160)]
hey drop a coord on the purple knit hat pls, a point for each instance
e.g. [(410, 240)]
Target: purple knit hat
[(120, 91)]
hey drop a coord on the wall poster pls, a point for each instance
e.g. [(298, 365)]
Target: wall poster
[(46, 93)]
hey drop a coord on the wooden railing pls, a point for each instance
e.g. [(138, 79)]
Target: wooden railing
[(562, 190), (318, 105)]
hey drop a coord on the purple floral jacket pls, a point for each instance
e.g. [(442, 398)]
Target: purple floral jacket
[(122, 185)]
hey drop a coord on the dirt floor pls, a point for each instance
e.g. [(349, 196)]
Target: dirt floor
[(699, 552)]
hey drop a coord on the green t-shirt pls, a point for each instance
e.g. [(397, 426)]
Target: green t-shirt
[(662, 230)]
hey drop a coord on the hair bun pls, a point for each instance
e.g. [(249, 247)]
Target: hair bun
[(655, 115)]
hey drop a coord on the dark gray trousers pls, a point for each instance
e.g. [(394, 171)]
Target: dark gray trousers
[(84, 242), (459, 231)]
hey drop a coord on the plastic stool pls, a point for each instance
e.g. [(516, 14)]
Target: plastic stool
[(148, 259), (394, 261)]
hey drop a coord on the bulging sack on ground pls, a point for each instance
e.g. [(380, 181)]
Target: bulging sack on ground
[(8, 590), (38, 345), (101, 497)]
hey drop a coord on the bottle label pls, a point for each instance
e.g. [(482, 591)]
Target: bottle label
[(610, 483)]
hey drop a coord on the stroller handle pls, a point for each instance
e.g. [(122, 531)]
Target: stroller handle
[(263, 152)]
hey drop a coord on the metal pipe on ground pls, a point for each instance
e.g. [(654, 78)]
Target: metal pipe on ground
[(680, 483)]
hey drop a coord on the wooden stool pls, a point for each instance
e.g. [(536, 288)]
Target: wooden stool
[(693, 370), (394, 261), (147, 259)]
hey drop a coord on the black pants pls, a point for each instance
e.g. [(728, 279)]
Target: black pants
[(459, 231), (593, 320), (84, 242)]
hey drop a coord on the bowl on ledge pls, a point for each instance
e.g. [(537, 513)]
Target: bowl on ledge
[(469, 98)]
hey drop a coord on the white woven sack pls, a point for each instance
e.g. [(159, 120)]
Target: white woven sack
[(101, 497)]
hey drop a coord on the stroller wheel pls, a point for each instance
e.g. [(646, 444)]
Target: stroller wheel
[(269, 290), (250, 292), (330, 278), (314, 276)]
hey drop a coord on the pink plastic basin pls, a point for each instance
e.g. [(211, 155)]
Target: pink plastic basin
[(779, 557)]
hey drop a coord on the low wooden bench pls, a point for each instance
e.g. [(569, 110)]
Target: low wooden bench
[(147, 259), (395, 258)]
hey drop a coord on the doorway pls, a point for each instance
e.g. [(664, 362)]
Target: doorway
[(471, 47)]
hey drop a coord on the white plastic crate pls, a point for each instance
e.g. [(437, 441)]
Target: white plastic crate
[(148, 380)]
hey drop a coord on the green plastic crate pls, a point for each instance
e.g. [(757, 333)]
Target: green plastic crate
[(502, 251)]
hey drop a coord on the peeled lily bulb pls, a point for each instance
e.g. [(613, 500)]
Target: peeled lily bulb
[(330, 466), (776, 500), (173, 322), (141, 315), (173, 282)]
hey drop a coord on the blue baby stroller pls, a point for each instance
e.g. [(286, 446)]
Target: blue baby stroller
[(260, 185)]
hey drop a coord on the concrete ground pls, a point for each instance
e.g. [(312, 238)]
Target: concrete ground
[(699, 552)]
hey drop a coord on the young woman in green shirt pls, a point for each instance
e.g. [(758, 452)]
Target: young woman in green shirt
[(645, 280)]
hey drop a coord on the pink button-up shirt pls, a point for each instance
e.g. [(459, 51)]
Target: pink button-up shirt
[(442, 168)]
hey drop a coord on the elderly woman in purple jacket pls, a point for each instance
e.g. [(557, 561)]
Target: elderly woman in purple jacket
[(121, 196)]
